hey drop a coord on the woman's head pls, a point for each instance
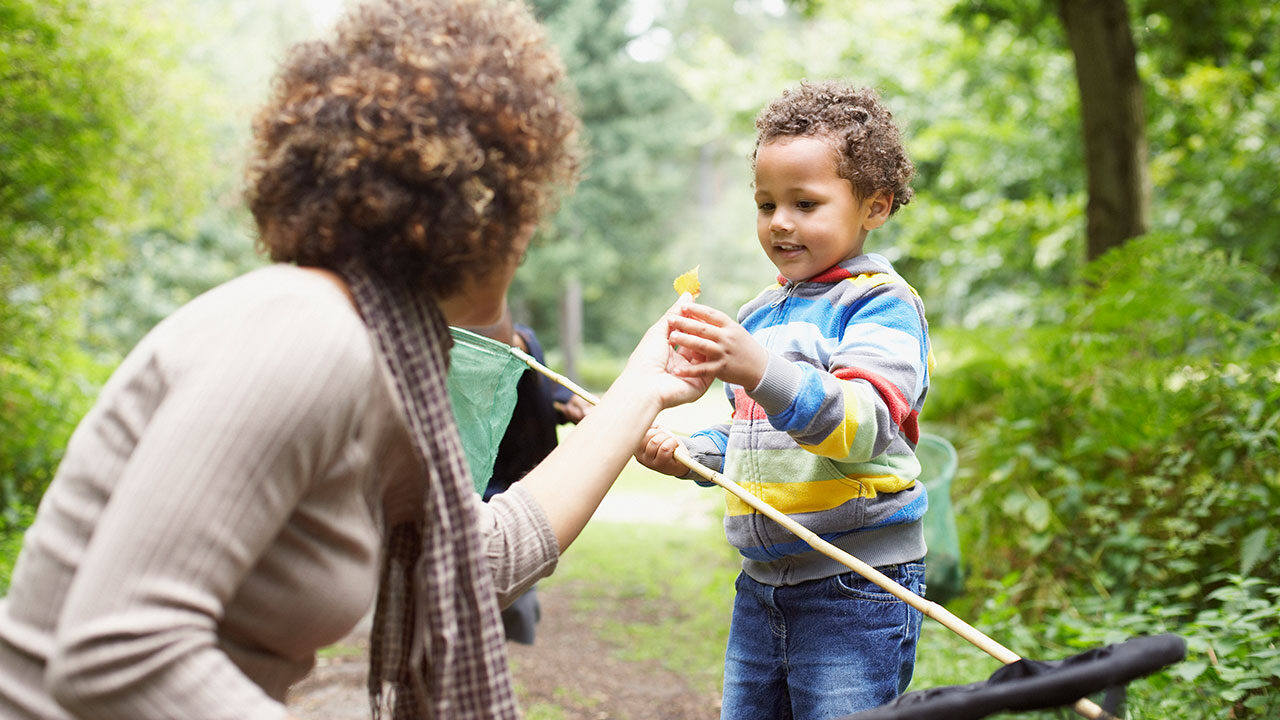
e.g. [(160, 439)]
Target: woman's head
[(427, 137), (860, 128)]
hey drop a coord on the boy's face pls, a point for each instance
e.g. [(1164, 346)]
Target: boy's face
[(807, 216)]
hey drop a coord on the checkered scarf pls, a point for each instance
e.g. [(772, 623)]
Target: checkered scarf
[(437, 636)]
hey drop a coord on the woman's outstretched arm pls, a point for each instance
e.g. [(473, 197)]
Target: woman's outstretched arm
[(570, 483)]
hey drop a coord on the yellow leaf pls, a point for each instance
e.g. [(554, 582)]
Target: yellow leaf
[(688, 283)]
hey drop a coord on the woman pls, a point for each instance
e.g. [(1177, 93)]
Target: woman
[(281, 447)]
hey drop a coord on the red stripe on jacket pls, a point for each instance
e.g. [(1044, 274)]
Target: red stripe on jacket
[(744, 408), (900, 411)]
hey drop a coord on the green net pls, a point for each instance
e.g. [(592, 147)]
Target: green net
[(482, 389), (943, 571)]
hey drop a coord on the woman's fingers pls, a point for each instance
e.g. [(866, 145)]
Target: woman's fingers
[(705, 313)]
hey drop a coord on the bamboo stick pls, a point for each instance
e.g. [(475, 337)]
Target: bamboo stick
[(1083, 706), (557, 377)]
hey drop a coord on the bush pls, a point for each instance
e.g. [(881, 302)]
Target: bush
[(1136, 442), (1232, 668)]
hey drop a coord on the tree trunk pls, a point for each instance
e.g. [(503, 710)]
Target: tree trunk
[(571, 326), (1115, 139)]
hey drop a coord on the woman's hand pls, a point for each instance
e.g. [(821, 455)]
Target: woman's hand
[(572, 480), (661, 368)]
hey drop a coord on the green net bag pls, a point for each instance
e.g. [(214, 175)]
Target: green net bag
[(943, 571), (482, 389)]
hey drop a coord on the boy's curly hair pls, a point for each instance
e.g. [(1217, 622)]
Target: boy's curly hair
[(869, 151), (422, 138)]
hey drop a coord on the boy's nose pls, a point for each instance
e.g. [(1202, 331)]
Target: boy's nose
[(780, 223)]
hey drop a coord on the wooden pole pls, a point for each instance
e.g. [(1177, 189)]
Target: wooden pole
[(1083, 706)]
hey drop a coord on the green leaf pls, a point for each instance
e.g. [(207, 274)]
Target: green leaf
[(1190, 670), (1253, 547), (1037, 514)]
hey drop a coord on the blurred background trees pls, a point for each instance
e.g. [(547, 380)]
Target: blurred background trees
[(1113, 395)]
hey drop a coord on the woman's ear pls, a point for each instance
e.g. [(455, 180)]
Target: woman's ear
[(878, 209)]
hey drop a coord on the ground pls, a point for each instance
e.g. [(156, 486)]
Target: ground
[(569, 667)]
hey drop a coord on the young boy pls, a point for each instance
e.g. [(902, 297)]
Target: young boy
[(826, 372)]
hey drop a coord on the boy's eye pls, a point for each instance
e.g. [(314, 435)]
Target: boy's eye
[(806, 204), (764, 207)]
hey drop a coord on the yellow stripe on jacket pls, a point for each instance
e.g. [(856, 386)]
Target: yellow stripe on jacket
[(815, 495)]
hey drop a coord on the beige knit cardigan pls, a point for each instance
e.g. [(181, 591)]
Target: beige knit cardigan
[(216, 518)]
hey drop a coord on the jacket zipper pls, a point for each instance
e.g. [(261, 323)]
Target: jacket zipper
[(790, 289)]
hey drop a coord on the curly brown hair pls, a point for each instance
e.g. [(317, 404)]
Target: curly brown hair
[(422, 138), (869, 150)]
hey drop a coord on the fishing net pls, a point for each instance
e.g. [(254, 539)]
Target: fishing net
[(482, 389)]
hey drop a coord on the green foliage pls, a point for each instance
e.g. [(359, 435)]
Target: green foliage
[(1135, 443), (1213, 162), (597, 367), (1117, 423), (1212, 101), (98, 141), (990, 121), (16, 516), (161, 271), (1232, 668), (1179, 33), (612, 229)]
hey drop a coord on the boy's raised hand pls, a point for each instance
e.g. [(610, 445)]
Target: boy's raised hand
[(717, 346)]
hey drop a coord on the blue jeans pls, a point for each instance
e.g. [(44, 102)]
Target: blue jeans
[(821, 649)]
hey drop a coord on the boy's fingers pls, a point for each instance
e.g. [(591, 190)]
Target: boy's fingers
[(693, 327), (694, 344)]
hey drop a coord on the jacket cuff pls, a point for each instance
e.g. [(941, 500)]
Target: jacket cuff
[(779, 386)]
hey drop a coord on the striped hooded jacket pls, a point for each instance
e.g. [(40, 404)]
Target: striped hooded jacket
[(829, 435)]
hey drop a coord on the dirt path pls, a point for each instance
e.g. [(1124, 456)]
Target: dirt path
[(569, 667), (572, 668)]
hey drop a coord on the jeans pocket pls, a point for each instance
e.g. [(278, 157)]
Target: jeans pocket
[(912, 577), (908, 575), (853, 585)]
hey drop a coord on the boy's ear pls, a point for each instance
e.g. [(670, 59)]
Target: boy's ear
[(881, 204)]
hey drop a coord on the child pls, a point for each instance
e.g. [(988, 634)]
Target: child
[(826, 372)]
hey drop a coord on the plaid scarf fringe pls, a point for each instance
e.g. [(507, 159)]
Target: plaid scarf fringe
[(437, 638)]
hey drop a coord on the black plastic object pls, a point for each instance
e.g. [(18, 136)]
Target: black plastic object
[(1036, 685)]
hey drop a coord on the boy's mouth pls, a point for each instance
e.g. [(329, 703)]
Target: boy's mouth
[(787, 248)]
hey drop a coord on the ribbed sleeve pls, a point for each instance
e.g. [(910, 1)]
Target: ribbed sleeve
[(519, 543)]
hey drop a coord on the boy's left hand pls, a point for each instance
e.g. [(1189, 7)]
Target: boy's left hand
[(718, 346)]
